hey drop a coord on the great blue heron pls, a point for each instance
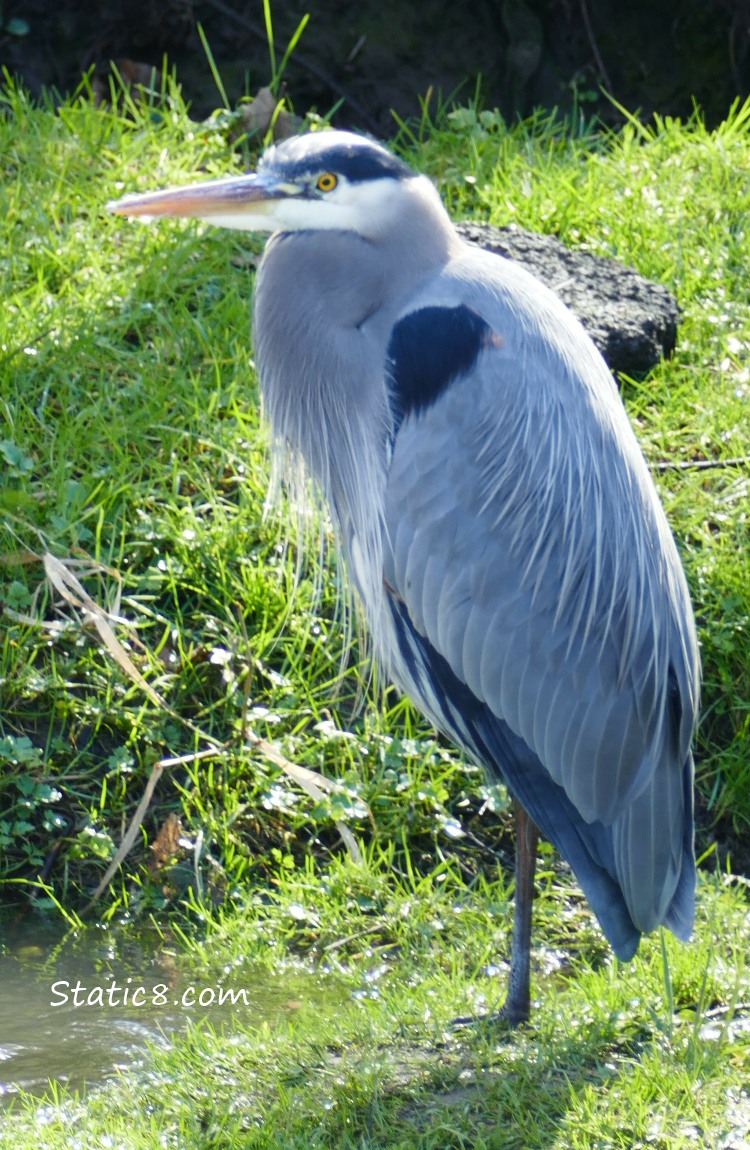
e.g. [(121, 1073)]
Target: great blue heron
[(497, 516)]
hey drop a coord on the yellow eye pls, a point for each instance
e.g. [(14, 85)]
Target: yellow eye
[(326, 183)]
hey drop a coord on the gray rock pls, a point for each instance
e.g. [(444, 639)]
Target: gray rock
[(632, 320)]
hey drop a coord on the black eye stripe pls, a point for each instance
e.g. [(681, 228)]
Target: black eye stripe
[(355, 163)]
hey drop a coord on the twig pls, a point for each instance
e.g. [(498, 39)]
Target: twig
[(310, 781), (55, 850), (699, 464), (737, 1009), (21, 347), (128, 839), (339, 942), (248, 681), (70, 589), (595, 47), (305, 62)]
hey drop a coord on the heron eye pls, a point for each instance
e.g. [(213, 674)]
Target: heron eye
[(327, 182)]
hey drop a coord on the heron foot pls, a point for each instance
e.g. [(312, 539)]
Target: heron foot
[(508, 1017)]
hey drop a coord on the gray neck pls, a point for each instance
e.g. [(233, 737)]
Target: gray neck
[(324, 306)]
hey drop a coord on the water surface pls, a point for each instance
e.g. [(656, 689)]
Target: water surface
[(76, 1007)]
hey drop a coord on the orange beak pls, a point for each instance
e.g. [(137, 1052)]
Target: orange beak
[(243, 202)]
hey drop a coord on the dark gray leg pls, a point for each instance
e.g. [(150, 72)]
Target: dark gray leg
[(516, 1006)]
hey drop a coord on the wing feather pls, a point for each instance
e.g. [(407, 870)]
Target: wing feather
[(531, 555)]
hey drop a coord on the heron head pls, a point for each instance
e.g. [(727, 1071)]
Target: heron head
[(325, 180)]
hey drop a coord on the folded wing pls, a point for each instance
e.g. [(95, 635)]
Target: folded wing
[(539, 608)]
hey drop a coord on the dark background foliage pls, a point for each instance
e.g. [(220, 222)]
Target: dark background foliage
[(379, 55)]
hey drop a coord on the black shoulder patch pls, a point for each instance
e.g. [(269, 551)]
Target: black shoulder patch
[(428, 350)]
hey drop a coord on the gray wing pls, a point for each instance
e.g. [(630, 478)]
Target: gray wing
[(528, 551)]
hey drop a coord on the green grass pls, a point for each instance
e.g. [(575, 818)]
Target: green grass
[(611, 1059), (130, 441)]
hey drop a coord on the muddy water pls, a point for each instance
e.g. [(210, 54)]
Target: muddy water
[(75, 1008)]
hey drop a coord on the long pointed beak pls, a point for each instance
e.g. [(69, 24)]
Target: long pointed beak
[(239, 201)]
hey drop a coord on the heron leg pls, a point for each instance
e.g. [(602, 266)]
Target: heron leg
[(516, 1007)]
